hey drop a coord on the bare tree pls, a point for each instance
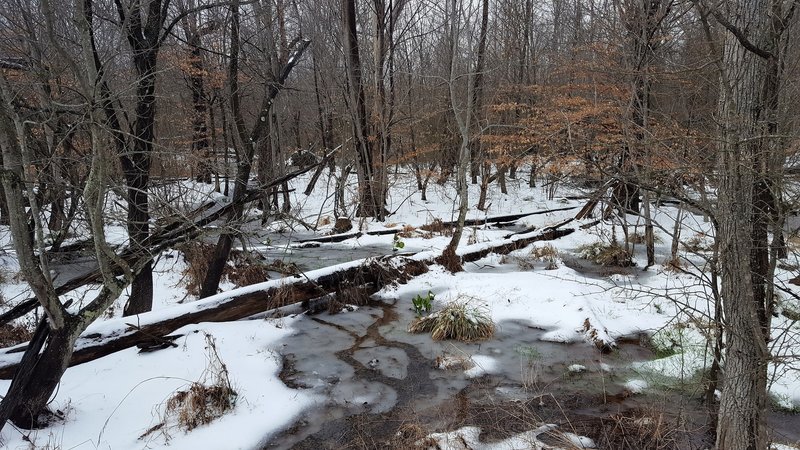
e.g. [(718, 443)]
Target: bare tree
[(371, 199), (248, 142), (464, 112), (750, 169)]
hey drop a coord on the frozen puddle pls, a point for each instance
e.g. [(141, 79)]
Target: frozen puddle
[(376, 378)]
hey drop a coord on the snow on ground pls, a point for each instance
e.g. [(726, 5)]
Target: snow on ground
[(110, 402), (469, 438)]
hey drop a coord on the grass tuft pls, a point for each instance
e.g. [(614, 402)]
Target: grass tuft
[(459, 321)]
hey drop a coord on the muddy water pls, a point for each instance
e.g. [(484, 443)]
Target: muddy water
[(373, 377)]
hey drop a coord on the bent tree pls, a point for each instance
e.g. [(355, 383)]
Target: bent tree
[(49, 352)]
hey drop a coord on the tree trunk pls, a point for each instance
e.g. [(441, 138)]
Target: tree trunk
[(259, 133), (244, 165), (744, 395), (33, 391), (200, 141), (136, 168), (370, 203)]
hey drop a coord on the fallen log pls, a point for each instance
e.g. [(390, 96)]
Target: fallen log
[(345, 236), (340, 237), (505, 218), (371, 274), (475, 252), (114, 335)]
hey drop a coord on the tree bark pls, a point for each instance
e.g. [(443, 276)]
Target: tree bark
[(743, 402)]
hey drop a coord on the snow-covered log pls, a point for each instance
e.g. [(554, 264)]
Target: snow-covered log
[(370, 275)]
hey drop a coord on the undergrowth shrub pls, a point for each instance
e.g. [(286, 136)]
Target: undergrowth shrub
[(13, 334), (547, 254), (243, 269), (437, 226)]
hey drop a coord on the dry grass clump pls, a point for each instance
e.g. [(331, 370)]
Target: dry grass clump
[(547, 254), (458, 320), (207, 399), (200, 404), (608, 255), (204, 401)]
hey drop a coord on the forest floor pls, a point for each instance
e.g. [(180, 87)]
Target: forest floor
[(358, 379)]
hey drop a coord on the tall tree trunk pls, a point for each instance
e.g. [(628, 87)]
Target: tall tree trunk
[(743, 402), (370, 203), (143, 33), (200, 139), (136, 168), (248, 142)]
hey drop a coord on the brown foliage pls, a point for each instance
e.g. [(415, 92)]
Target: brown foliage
[(11, 334), (244, 271), (438, 226)]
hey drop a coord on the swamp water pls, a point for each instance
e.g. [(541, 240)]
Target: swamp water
[(375, 381)]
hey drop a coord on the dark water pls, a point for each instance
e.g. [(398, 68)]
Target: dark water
[(374, 377)]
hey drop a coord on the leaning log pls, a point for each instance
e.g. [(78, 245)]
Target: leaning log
[(117, 334), (371, 275), (173, 233)]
